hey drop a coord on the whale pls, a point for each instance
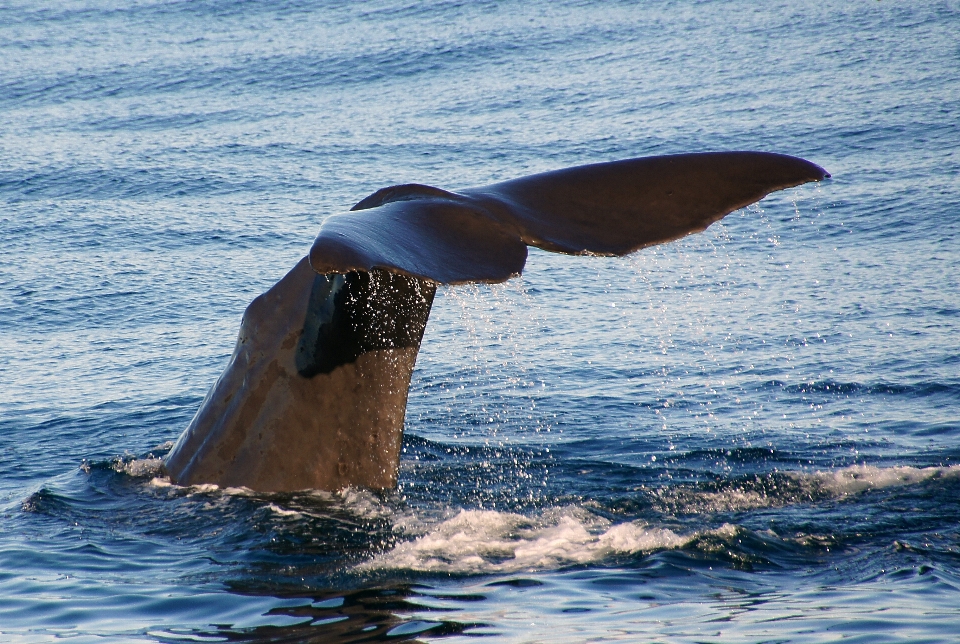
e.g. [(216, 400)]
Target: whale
[(315, 392)]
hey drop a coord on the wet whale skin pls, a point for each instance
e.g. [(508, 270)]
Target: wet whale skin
[(315, 392)]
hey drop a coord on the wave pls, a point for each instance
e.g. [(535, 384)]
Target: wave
[(860, 478), (273, 71), (436, 538), (790, 488), (917, 389), (489, 541), (144, 182)]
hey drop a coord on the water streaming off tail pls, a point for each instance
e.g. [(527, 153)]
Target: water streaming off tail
[(473, 420)]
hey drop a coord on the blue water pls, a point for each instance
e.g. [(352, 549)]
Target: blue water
[(747, 435)]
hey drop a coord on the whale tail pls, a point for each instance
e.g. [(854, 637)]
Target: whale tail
[(315, 393), (482, 234)]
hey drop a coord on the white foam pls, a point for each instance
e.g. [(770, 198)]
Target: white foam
[(276, 509), (201, 488), (140, 467), (484, 541), (688, 501), (810, 487), (362, 503), (860, 478)]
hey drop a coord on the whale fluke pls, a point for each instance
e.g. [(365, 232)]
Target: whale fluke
[(315, 392), (481, 234)]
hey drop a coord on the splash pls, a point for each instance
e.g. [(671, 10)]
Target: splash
[(140, 467), (487, 541)]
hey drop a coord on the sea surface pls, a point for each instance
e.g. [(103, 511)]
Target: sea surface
[(748, 435)]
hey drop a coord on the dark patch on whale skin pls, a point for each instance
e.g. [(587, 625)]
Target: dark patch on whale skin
[(265, 426), (349, 315)]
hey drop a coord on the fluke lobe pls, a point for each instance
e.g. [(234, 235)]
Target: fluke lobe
[(315, 393)]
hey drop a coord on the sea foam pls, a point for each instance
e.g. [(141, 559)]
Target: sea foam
[(483, 541)]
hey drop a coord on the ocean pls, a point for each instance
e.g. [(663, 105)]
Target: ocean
[(749, 434)]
